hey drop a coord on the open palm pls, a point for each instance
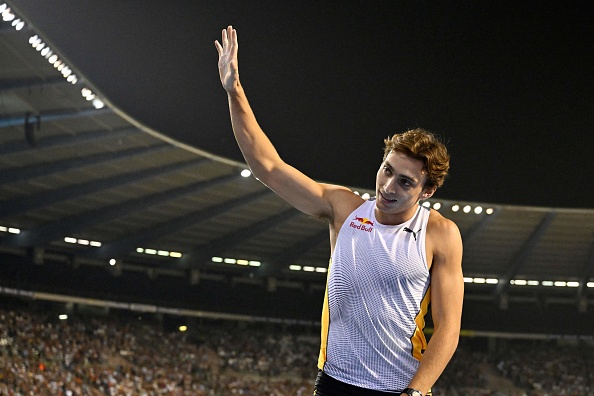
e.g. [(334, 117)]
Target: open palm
[(228, 69)]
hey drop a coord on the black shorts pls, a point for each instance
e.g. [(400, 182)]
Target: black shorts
[(328, 386)]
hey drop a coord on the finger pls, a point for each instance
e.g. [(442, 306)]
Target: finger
[(228, 34), (224, 39), (234, 43), (218, 47)]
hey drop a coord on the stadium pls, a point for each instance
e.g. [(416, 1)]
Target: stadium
[(135, 264)]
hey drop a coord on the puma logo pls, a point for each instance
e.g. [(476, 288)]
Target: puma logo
[(412, 232)]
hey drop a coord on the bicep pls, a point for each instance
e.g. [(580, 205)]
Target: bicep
[(447, 282)]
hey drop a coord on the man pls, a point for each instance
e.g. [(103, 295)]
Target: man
[(389, 256)]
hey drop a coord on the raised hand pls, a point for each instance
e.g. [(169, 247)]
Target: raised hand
[(228, 69)]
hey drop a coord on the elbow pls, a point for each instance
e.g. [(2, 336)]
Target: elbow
[(449, 334)]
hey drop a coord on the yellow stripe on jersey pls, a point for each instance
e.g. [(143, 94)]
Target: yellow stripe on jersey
[(325, 325), (418, 340)]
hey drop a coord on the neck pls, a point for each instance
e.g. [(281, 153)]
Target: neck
[(395, 218)]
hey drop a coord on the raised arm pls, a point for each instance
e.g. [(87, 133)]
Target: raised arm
[(297, 189)]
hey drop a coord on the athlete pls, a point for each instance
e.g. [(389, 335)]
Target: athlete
[(390, 256)]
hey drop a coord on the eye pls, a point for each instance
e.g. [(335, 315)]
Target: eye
[(405, 183), (387, 170)]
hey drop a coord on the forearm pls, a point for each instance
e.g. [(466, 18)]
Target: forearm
[(439, 351), (258, 151)]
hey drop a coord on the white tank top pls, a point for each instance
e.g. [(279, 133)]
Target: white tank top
[(376, 300)]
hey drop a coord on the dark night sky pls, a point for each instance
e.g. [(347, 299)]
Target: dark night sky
[(508, 84)]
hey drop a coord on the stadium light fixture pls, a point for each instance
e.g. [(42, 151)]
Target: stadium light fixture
[(242, 262), (7, 14)]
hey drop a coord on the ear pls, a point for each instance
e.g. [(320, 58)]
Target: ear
[(428, 192)]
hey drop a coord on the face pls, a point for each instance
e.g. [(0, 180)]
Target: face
[(400, 184)]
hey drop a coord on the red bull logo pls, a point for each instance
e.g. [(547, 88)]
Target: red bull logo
[(364, 224)]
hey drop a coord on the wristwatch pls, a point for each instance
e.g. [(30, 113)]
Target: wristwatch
[(411, 392)]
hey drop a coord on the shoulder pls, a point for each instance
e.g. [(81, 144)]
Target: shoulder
[(441, 226), (443, 235), (343, 201)]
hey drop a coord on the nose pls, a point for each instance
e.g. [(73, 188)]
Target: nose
[(390, 186)]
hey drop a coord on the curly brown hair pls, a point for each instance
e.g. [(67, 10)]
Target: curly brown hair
[(425, 146)]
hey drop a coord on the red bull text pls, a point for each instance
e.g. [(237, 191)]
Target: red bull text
[(364, 224)]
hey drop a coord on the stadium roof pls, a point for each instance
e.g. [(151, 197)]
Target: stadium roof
[(83, 183)]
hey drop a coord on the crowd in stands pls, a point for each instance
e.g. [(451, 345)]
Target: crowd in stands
[(111, 355), (548, 369)]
